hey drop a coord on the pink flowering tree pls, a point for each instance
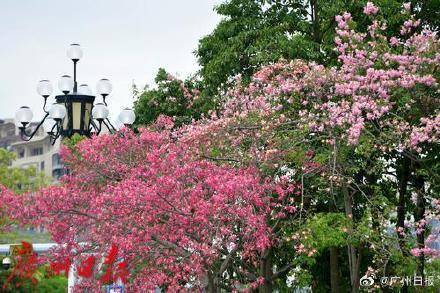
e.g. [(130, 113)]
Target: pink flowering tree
[(384, 104), (177, 223), (359, 138), (304, 165)]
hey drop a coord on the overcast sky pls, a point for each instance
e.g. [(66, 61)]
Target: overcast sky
[(122, 40)]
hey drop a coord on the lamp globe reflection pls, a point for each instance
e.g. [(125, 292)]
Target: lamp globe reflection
[(74, 52), (100, 112), (23, 116), (127, 116), (44, 88), (74, 111), (84, 89), (65, 84)]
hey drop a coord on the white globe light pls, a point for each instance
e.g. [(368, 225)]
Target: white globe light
[(104, 87), (65, 84), (127, 116), (44, 88), (100, 111), (23, 116), (49, 125), (74, 52), (84, 90), (57, 112), (6, 263)]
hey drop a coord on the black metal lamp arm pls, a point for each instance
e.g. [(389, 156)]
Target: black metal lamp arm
[(28, 136), (97, 128), (113, 129), (44, 105), (54, 135)]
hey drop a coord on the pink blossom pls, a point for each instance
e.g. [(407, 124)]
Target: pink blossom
[(147, 195), (394, 41), (370, 9)]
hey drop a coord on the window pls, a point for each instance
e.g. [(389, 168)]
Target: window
[(41, 166), (37, 151), (57, 173), (56, 160), (20, 153)]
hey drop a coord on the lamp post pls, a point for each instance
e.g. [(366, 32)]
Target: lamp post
[(74, 111)]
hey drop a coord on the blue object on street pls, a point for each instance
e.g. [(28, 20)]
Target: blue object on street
[(115, 289)]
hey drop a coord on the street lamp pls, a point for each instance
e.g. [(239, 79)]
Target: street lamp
[(6, 263), (74, 111)]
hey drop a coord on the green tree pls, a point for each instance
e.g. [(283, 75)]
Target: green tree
[(253, 33), (257, 32), (180, 99), (18, 180), (46, 282)]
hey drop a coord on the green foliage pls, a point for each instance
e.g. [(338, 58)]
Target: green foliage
[(257, 32), (57, 284), (46, 282), (71, 142), (17, 179), (326, 230), (16, 236), (171, 97)]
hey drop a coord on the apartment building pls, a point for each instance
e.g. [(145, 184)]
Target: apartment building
[(8, 134), (39, 152)]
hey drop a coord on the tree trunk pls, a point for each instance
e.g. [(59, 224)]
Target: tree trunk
[(267, 273), (403, 172), (211, 288), (419, 214), (334, 270), (315, 21), (371, 180), (334, 265), (354, 254)]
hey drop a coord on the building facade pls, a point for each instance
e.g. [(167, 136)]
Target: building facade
[(38, 152), (8, 133)]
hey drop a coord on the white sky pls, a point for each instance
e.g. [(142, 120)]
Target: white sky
[(122, 40)]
